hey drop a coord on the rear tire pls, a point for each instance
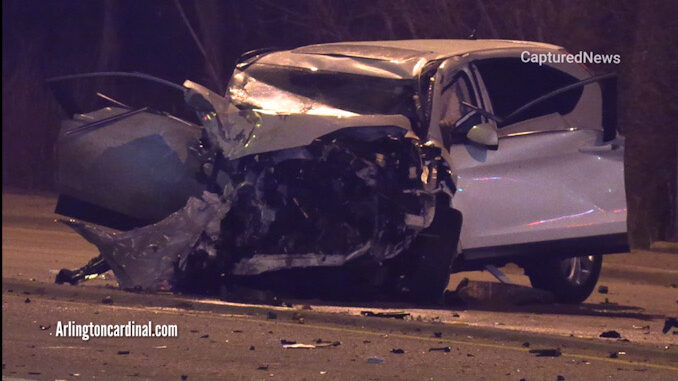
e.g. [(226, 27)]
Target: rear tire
[(571, 280)]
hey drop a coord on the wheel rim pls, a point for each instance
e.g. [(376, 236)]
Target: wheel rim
[(577, 270)]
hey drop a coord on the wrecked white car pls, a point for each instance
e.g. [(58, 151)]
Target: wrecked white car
[(407, 160)]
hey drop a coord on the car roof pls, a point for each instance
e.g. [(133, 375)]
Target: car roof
[(398, 59)]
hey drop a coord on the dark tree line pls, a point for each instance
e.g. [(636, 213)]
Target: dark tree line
[(43, 39)]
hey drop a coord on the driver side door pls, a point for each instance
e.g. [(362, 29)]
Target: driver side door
[(549, 180)]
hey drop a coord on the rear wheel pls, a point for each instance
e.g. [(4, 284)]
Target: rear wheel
[(571, 280)]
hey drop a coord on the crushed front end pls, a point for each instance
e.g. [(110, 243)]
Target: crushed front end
[(318, 186)]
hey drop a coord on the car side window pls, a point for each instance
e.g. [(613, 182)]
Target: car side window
[(458, 90), (511, 83)]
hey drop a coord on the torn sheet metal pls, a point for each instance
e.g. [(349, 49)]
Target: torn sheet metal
[(146, 258)]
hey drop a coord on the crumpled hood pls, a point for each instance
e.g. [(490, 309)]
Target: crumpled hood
[(241, 133)]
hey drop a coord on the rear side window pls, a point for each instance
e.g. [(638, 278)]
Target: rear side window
[(511, 83)]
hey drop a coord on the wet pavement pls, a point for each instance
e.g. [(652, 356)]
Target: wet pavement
[(489, 336)]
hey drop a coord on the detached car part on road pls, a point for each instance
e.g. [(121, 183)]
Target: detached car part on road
[(404, 159)]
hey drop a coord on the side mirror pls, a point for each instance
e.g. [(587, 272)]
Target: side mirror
[(484, 134)]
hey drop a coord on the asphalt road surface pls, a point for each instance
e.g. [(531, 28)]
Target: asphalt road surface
[(490, 337)]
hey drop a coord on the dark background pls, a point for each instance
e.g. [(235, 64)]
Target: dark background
[(49, 38)]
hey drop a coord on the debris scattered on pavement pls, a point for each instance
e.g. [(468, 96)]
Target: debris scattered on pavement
[(299, 346), (374, 360), (184, 377), (107, 300), (366, 341), (45, 327), (306, 307), (603, 289), (526, 344), (323, 343), (251, 347), (319, 343), (670, 323), (204, 336), (645, 327), (28, 300), (262, 367), (470, 355), (123, 352), (437, 334), (492, 293), (455, 315), (394, 315), (616, 354), (546, 352), (439, 349), (160, 347), (560, 378), (609, 303), (610, 334), (397, 351), (328, 344), (272, 315), (236, 331)]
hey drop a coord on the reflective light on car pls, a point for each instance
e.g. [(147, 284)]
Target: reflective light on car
[(560, 218)]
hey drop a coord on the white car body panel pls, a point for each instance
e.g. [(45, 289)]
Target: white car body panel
[(552, 177), (539, 187)]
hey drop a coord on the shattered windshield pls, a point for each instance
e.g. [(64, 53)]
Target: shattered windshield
[(297, 90)]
